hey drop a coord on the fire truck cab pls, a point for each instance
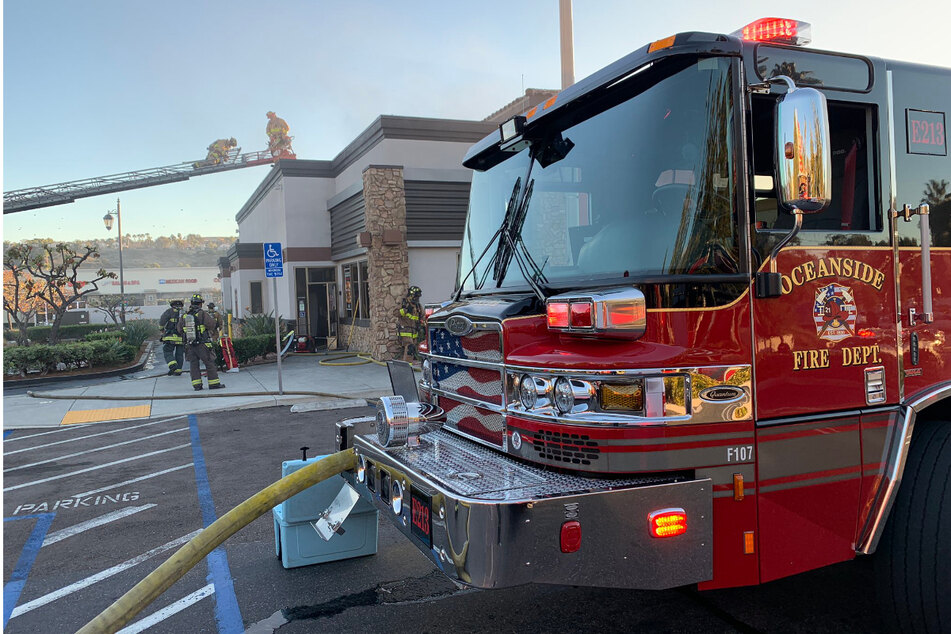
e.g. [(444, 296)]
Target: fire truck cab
[(698, 335)]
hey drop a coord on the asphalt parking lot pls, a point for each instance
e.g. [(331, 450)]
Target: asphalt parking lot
[(90, 510)]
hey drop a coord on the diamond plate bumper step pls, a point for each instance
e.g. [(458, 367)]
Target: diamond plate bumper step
[(494, 522)]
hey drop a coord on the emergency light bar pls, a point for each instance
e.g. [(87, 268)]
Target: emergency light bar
[(776, 31)]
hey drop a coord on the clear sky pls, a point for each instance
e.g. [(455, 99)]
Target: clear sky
[(97, 88)]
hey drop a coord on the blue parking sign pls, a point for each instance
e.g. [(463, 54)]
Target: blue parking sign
[(273, 260)]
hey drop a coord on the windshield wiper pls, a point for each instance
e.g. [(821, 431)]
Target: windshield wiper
[(511, 227), (509, 249), (509, 210)]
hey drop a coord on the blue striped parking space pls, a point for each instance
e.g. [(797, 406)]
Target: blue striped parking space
[(83, 509)]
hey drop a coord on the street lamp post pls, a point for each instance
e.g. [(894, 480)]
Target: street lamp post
[(107, 219)]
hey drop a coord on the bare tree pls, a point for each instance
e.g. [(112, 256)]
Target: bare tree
[(21, 310), (54, 269), (111, 305)]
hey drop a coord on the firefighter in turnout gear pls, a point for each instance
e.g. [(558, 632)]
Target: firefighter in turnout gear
[(408, 323), (172, 346), (196, 328), (219, 322)]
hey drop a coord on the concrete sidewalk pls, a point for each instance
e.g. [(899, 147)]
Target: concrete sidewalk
[(351, 384)]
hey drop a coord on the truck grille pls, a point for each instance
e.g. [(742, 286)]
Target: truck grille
[(478, 383), (569, 448), (464, 378), (481, 345)]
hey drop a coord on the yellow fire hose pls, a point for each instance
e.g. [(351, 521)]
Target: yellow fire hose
[(161, 579)]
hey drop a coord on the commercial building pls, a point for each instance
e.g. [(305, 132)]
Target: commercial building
[(148, 290), (386, 213)]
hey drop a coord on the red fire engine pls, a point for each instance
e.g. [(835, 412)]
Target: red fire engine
[(699, 333)]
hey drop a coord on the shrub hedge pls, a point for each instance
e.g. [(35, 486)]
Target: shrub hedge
[(81, 354), (249, 348), (136, 331), (41, 334), (108, 335)]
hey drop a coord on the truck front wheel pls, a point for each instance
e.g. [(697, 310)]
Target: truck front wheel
[(913, 564)]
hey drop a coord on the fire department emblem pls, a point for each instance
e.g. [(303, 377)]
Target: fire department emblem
[(834, 312)]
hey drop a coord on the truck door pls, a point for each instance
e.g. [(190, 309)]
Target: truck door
[(921, 104), (826, 349)]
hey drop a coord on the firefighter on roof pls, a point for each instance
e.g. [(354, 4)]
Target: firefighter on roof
[(196, 328), (172, 346), (279, 143), (408, 322)]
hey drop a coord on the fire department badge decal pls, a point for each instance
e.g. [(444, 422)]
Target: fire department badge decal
[(834, 312)]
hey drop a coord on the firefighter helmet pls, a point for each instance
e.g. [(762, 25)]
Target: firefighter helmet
[(211, 305), (176, 303), (197, 299), (415, 291)]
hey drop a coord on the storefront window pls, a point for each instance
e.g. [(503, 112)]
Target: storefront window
[(257, 304), (356, 290)]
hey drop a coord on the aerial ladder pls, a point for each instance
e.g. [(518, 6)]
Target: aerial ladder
[(62, 193)]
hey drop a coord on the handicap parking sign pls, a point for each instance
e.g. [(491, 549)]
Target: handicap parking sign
[(273, 260)]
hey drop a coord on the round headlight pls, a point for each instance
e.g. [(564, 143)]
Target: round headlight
[(564, 395), (527, 392)]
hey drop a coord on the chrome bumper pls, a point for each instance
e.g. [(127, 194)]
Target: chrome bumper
[(496, 522)]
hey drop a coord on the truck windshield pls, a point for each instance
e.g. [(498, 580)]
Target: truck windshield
[(646, 190)]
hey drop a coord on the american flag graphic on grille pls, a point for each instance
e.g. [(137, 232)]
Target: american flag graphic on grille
[(476, 421), (481, 345), (481, 384), (478, 383)]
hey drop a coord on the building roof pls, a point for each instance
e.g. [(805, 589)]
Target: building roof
[(384, 127), (532, 97)]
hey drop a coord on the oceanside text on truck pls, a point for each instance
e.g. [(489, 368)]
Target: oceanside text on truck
[(699, 333)]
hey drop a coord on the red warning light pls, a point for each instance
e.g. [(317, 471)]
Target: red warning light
[(777, 31)]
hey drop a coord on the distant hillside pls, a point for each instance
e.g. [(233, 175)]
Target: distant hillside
[(144, 251)]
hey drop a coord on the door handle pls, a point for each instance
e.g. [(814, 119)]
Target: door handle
[(923, 211)]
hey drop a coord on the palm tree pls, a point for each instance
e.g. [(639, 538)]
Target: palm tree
[(936, 192)]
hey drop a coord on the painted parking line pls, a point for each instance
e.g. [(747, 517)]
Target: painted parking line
[(104, 415), (13, 587), (147, 476), (102, 433), (93, 450), (45, 433), (96, 468), (227, 612), (76, 529), (99, 576), (168, 611)]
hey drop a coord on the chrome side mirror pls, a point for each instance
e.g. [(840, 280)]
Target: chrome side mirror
[(803, 166), (804, 155)]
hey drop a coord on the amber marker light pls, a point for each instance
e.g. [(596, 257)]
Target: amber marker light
[(668, 522), (622, 397), (737, 486), (621, 314), (667, 42), (749, 543)]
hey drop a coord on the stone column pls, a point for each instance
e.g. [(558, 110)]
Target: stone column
[(385, 204)]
